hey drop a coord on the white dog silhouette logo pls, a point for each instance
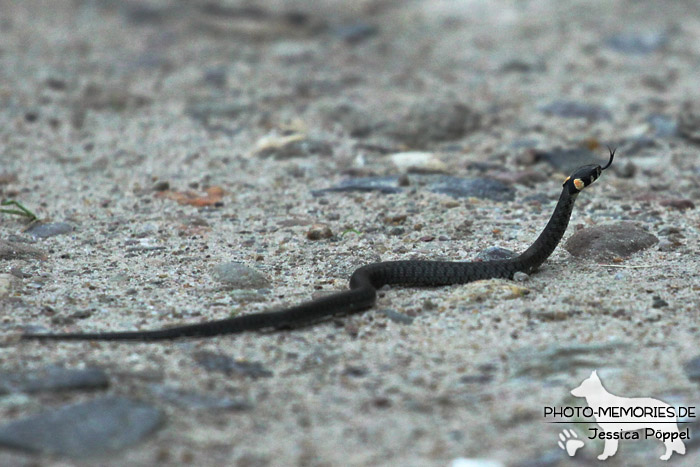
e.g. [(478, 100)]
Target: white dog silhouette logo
[(624, 417)]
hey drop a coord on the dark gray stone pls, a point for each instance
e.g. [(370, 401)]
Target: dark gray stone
[(484, 188), (211, 361), (692, 369), (495, 253), (385, 185), (606, 242), (53, 379), (50, 229), (82, 430)]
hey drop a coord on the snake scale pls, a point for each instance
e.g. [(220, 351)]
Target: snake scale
[(365, 281)]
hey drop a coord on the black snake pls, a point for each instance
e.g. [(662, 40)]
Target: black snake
[(366, 280)]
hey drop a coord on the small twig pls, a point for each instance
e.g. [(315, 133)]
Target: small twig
[(20, 211), (644, 266)]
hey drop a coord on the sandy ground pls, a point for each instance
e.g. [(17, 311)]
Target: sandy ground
[(103, 102)]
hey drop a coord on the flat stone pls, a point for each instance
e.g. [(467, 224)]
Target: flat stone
[(495, 253), (484, 188), (385, 185), (82, 430), (50, 229), (53, 379), (606, 242), (239, 276)]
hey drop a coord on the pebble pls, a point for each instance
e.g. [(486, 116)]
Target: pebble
[(53, 379), (50, 229), (637, 43), (211, 361), (568, 160), (418, 162), (680, 204), (692, 369), (606, 242), (354, 33), (161, 185), (12, 250), (215, 76), (386, 185), (666, 244), (658, 302), (520, 276), (575, 109), (291, 146), (319, 232), (196, 401), (85, 429), (484, 188), (239, 276), (397, 317), (433, 121), (495, 253)]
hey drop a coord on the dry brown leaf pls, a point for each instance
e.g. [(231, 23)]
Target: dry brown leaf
[(214, 194)]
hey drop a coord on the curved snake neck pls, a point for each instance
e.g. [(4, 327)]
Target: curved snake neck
[(364, 283)]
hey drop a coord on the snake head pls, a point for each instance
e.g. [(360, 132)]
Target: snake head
[(586, 175)]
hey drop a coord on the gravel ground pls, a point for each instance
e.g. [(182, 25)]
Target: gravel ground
[(163, 145)]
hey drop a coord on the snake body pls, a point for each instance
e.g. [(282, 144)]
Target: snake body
[(365, 281)]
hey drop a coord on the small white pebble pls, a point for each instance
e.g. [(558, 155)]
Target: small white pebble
[(520, 276)]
